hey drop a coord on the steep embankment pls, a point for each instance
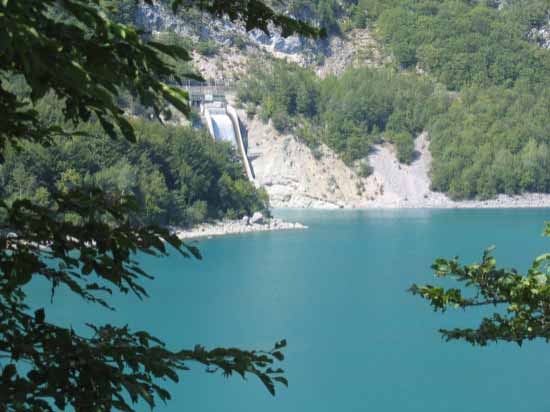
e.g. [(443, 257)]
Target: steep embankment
[(358, 48), (404, 185), (295, 177)]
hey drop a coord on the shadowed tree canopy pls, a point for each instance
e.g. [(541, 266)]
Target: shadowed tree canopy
[(87, 241), (521, 303)]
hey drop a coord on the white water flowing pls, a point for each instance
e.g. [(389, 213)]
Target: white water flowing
[(223, 128), (223, 125)]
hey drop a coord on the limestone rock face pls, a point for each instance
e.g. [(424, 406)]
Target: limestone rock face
[(245, 220), (297, 177), (257, 218), (156, 17), (541, 35), (159, 18), (358, 49), (290, 45)]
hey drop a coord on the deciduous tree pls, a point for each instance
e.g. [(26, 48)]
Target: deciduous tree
[(520, 302), (87, 241)]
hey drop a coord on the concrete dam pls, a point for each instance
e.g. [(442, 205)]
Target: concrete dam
[(223, 124), (220, 118)]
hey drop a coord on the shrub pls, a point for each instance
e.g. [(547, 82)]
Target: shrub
[(207, 48), (280, 121), (404, 145), (364, 169)]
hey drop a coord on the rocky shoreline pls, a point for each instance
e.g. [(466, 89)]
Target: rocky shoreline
[(256, 223), (525, 201), (440, 201), (259, 223)]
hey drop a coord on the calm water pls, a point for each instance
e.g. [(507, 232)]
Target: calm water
[(336, 292)]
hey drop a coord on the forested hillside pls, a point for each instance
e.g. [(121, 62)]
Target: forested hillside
[(493, 141), (469, 72), (349, 113), (178, 174), (463, 43)]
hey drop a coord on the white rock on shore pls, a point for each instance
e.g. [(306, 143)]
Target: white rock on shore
[(233, 227), (257, 218)]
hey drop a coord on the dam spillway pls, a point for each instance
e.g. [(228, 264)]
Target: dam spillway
[(223, 124), (223, 128)]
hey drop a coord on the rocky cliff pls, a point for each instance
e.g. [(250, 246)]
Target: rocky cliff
[(541, 35), (157, 18)]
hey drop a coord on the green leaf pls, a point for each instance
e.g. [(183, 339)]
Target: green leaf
[(278, 355), (8, 371), (282, 380), (281, 344), (171, 50), (39, 315), (179, 98)]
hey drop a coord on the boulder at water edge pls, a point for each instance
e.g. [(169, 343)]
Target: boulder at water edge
[(257, 218)]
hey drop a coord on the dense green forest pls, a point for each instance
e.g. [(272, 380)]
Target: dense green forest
[(468, 42), (178, 174), (492, 141), (482, 93), (495, 137), (461, 42), (349, 113)]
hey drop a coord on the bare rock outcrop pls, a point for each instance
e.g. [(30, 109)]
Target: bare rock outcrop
[(404, 185), (358, 48), (257, 218), (296, 176), (541, 35)]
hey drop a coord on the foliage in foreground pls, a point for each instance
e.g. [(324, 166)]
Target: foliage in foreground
[(521, 303), (86, 240), (44, 364)]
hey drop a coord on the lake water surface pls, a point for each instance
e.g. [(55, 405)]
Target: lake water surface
[(337, 292)]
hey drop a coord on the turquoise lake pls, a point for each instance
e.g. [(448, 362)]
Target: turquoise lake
[(337, 292)]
